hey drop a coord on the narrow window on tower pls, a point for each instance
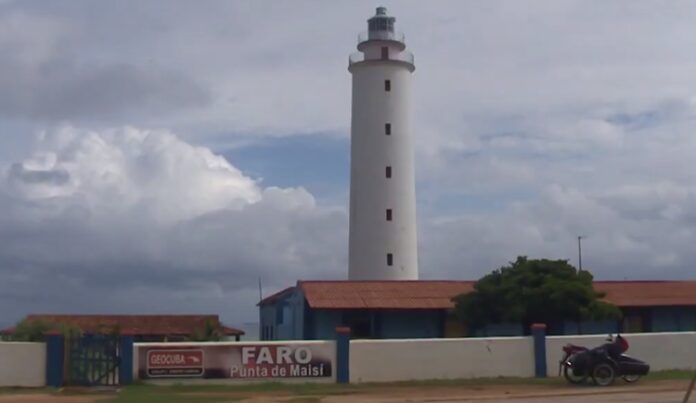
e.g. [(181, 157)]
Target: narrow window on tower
[(385, 53), (387, 85), (387, 172), (390, 259), (389, 214), (387, 129)]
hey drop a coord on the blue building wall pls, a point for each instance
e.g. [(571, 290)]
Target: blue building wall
[(590, 327), (382, 324), (298, 313), (283, 319), (669, 319), (267, 321), (500, 330), (410, 324), (324, 324)]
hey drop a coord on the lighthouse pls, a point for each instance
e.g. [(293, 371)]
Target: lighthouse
[(382, 234)]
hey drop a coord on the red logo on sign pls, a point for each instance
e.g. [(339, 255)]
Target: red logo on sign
[(174, 362), (175, 358)]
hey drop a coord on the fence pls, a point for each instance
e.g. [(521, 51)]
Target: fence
[(340, 360), (397, 360), (22, 364)]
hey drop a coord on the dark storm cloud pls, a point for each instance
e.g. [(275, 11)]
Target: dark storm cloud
[(48, 72), (60, 264), (94, 92), (58, 90)]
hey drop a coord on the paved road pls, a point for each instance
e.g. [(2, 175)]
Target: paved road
[(658, 392), (659, 397)]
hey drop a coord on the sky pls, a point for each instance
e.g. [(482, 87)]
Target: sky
[(167, 156)]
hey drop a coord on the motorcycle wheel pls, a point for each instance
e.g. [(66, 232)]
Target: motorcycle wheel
[(603, 374), (571, 377), (630, 378)]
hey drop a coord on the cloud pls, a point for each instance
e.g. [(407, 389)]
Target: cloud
[(625, 183), (94, 215), (45, 78)]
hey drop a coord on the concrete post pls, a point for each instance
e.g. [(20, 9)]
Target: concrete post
[(55, 359), (342, 355), (539, 335)]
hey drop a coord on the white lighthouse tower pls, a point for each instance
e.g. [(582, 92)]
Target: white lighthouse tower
[(382, 241)]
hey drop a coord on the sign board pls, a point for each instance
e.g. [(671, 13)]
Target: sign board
[(174, 363), (236, 361)]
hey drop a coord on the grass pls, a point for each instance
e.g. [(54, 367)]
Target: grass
[(670, 374)]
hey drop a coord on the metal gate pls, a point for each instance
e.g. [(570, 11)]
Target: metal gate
[(93, 360)]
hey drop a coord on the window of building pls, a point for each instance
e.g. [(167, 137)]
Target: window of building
[(381, 24), (387, 85), (387, 129), (387, 171), (390, 259), (385, 53), (389, 214)]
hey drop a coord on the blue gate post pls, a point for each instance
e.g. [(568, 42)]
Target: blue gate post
[(539, 335), (342, 355), (55, 359), (125, 367)]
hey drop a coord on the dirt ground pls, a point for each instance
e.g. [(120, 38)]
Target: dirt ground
[(657, 391)]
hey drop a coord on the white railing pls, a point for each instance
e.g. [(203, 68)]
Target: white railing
[(382, 36), (405, 56)]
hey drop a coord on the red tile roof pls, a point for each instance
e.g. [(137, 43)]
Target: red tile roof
[(382, 294), (231, 331), (648, 293), (151, 325), (438, 294)]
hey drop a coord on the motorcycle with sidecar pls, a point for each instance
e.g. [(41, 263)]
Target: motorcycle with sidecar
[(602, 364)]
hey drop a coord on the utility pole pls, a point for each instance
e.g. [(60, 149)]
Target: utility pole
[(260, 290), (580, 251), (691, 388)]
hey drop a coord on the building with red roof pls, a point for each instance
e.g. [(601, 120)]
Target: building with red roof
[(423, 309), (144, 328)]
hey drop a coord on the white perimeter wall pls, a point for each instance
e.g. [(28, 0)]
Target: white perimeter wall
[(22, 364), (419, 359), (660, 350)]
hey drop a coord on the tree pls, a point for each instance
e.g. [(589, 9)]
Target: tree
[(35, 330), (211, 332), (533, 291)]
